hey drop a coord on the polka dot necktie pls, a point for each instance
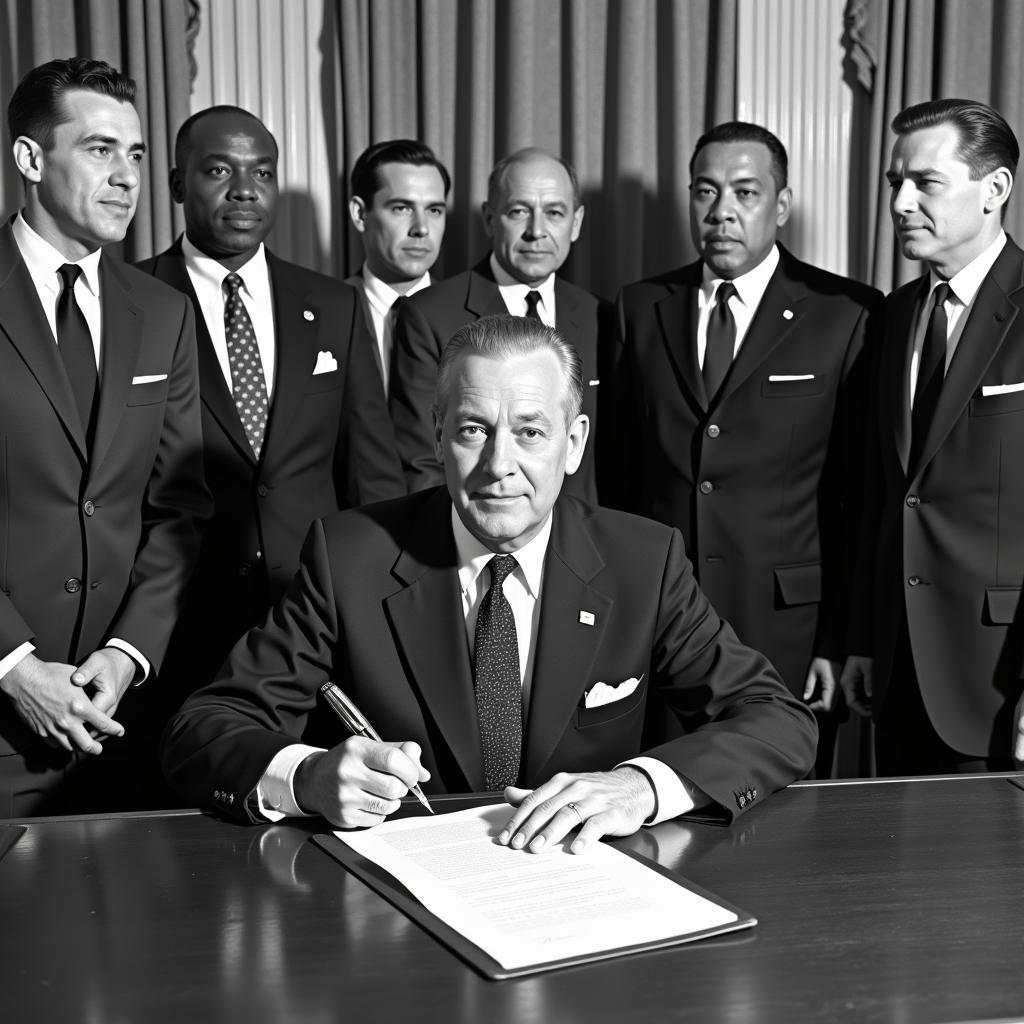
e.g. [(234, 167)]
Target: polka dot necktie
[(532, 300), (75, 345), (721, 340), (497, 682), (248, 387)]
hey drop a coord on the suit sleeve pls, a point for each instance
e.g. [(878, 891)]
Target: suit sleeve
[(366, 461), (745, 734), (417, 352), (175, 505), (227, 732)]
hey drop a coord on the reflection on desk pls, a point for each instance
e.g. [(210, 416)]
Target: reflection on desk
[(881, 901)]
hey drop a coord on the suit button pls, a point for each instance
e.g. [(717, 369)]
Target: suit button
[(913, 580), (73, 586), (244, 569), (262, 490), (706, 487), (913, 501), (714, 430), (88, 508)]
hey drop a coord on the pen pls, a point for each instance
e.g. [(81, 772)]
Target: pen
[(354, 721)]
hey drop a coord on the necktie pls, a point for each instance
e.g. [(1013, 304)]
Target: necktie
[(532, 298), (930, 372), (496, 680), (248, 387), (75, 344), (721, 339)]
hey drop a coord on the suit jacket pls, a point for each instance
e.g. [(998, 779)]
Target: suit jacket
[(427, 320), (396, 642), (328, 445), (762, 480), (949, 533), (95, 543)]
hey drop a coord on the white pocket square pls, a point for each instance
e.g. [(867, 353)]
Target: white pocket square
[(149, 378), (325, 363), (1000, 389), (607, 693), (790, 376)]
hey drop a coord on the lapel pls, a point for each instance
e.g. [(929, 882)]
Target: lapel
[(22, 319), (567, 313), (119, 353), (677, 315), (565, 648), (482, 295), (430, 632), (988, 323)]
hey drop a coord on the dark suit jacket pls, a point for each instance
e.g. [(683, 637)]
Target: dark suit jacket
[(427, 320), (328, 445), (376, 607), (762, 481), (949, 535), (95, 544)]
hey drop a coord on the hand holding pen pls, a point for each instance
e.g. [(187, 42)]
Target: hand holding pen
[(357, 724)]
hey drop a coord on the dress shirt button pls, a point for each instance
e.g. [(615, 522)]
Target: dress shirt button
[(262, 490), (714, 430), (913, 501), (73, 585), (88, 508), (706, 487), (913, 580)]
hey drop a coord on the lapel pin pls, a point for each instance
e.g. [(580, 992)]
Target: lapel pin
[(307, 314), (586, 618), (787, 314)]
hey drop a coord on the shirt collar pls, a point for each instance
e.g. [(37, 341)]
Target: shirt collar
[(965, 283), (207, 269), (507, 283), (473, 556), (382, 296), (43, 260), (751, 286)]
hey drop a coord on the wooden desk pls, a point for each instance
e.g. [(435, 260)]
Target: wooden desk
[(880, 901)]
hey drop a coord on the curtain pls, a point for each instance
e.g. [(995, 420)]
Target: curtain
[(906, 51), (146, 39), (619, 88)]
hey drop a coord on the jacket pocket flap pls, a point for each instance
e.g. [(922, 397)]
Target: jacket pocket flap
[(799, 584), (1001, 604)]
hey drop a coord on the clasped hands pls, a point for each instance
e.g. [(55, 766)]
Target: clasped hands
[(360, 782)]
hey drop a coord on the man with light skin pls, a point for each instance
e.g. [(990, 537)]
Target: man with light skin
[(398, 205), (393, 602), (533, 214), (937, 630)]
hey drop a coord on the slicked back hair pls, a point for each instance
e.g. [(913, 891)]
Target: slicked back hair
[(744, 131), (365, 181)]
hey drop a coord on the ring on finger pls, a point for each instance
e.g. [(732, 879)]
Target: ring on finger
[(572, 807)]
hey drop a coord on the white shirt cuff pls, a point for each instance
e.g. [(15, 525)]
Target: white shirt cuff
[(675, 796), (133, 653), (16, 657), (275, 792)]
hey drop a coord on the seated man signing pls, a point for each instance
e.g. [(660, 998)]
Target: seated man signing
[(512, 640)]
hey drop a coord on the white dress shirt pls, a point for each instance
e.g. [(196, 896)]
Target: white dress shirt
[(207, 276), (963, 287), (513, 293), (381, 298), (750, 289), (42, 261)]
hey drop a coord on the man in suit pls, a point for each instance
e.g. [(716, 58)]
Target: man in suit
[(533, 214), (940, 616), (295, 426), (735, 412), (101, 485), (398, 204), (502, 636)]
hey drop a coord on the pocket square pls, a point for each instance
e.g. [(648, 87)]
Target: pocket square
[(1000, 389), (149, 378), (607, 693), (325, 363), (790, 376)]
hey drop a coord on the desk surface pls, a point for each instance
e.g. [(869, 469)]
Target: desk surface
[(881, 901)]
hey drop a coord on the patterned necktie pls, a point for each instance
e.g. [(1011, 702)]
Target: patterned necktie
[(532, 300), (930, 372), (497, 682), (248, 387), (721, 340), (75, 344)]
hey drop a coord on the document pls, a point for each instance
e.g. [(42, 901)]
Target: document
[(525, 909)]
